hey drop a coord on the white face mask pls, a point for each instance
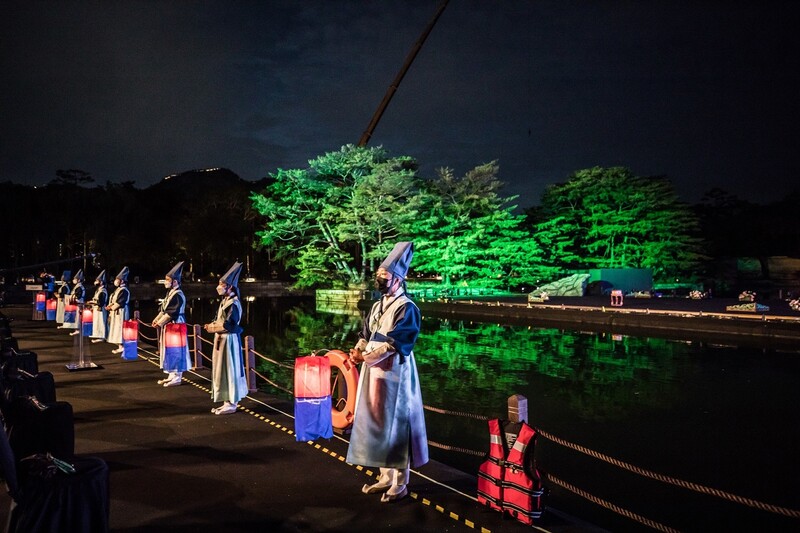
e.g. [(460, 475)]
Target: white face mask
[(221, 290), (116, 283), (167, 284)]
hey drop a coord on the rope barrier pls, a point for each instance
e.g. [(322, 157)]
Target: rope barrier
[(702, 489), (270, 381), (455, 449), (204, 356), (627, 466), (153, 354), (610, 506), (153, 339), (454, 413), (210, 343), (278, 363), (145, 337)]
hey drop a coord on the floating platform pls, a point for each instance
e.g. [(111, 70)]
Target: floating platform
[(174, 466)]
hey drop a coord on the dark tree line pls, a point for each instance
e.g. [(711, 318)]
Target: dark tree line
[(733, 228), (203, 217)]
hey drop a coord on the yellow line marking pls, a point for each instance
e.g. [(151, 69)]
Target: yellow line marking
[(368, 472), (469, 523)]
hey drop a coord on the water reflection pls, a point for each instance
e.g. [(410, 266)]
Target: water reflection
[(475, 367)]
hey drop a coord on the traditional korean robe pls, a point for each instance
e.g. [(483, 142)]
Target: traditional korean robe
[(99, 313), (173, 309), (229, 382), (61, 294), (117, 313), (389, 424), (77, 297)]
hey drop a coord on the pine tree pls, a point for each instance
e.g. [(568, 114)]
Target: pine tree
[(331, 220), (469, 233), (609, 218)]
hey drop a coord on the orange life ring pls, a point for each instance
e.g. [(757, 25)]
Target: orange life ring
[(343, 418)]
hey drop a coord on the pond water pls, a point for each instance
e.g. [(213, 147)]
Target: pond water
[(719, 416)]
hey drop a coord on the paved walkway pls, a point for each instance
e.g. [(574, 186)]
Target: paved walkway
[(176, 467)]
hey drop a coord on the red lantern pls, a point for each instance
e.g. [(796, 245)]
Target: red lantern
[(70, 313), (176, 351), (175, 335), (312, 377), (130, 330), (87, 323), (41, 298), (312, 398), (130, 337), (52, 305)]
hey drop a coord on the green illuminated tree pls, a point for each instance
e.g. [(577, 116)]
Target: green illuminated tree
[(333, 219), (469, 234), (557, 239), (613, 219), (377, 210)]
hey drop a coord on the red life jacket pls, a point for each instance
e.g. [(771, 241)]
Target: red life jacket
[(503, 484), (490, 473)]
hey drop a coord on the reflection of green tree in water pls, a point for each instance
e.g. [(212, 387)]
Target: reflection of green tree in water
[(475, 367), (301, 332)]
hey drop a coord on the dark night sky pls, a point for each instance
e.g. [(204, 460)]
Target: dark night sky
[(705, 93)]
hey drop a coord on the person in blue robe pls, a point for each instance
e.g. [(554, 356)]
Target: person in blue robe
[(48, 282), (228, 379), (118, 305), (61, 295), (389, 423), (174, 360), (99, 311), (78, 297)]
